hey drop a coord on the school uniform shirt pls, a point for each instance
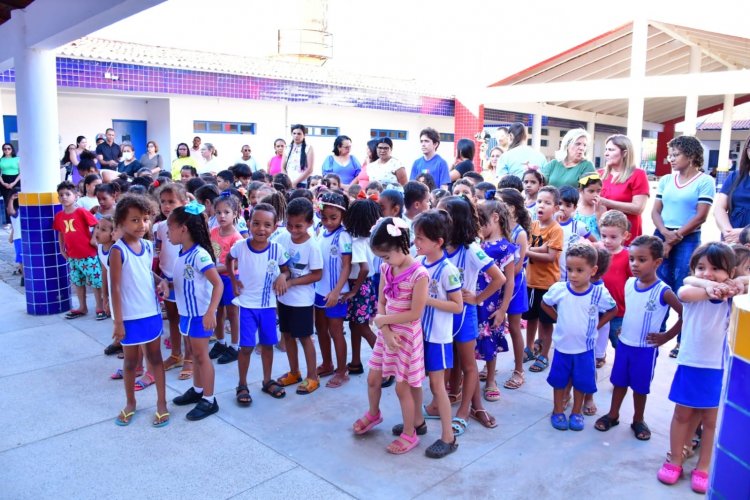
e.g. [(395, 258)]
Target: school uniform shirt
[(192, 290), (167, 252), (87, 202), (644, 311), (360, 250), (104, 261), (303, 259), (542, 275), (137, 289), (240, 225), (257, 270), (76, 231), (332, 247), (616, 276), (577, 315), (704, 334), (470, 262), (15, 224), (680, 201), (573, 232), (444, 278), (223, 244)]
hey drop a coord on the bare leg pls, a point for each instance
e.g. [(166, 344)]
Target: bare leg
[(545, 335), (81, 294), (618, 395), (516, 338), (309, 349), (679, 432), (98, 299), (203, 367), (359, 332), (708, 418), (491, 382), (440, 399), (234, 323), (291, 352), (219, 329), (336, 327), (558, 398), (173, 318), (324, 338), (577, 401), (406, 400), (374, 391), (531, 327), (470, 387), (156, 368), (243, 363), (455, 373), (266, 356), (129, 363), (639, 402)]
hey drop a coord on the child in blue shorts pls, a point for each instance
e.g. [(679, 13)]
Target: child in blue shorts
[(576, 305), (259, 266)]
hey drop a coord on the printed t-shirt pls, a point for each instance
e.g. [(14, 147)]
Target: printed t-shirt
[(76, 230), (543, 275)]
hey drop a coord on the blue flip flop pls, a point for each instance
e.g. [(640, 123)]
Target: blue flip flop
[(124, 419), (427, 415), (459, 426)]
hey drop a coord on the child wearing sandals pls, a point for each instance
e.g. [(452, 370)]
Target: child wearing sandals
[(443, 301), (647, 300), (198, 289), (464, 253), (330, 309), (575, 305), (399, 349), (495, 231), (296, 305), (104, 234), (519, 302), (362, 296), (696, 388), (135, 308), (260, 265)]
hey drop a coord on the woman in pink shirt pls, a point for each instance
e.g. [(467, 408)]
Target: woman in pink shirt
[(274, 164)]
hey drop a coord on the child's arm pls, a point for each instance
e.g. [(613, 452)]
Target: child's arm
[(10, 236), (61, 240), (658, 339), (606, 317), (313, 277), (281, 285), (454, 303), (537, 255), (105, 291), (551, 311), (115, 272), (689, 293), (523, 242), (418, 301), (497, 280), (209, 319), (346, 267), (361, 277), (236, 284), (715, 290), (498, 317)]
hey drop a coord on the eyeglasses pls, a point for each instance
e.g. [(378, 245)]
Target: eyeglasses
[(245, 150), (383, 148), (7, 149)]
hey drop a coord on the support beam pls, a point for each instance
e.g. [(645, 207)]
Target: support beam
[(639, 48), (691, 100), (725, 139), (536, 132), (687, 41), (591, 130)]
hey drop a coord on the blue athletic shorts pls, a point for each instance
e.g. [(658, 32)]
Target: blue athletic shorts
[(465, 324), (18, 248), (228, 295), (142, 330), (193, 327), (438, 356), (258, 321), (336, 312), (634, 367), (577, 368)]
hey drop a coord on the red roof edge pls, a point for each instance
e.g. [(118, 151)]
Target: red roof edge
[(710, 109), (561, 54)]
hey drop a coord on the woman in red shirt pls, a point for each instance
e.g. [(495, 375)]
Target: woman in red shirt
[(625, 187)]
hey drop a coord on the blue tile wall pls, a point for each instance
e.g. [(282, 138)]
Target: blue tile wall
[(730, 479), (730, 438), (738, 388)]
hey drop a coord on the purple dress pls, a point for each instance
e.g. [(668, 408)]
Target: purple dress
[(491, 339)]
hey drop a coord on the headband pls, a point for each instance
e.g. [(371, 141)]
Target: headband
[(490, 194), (329, 204)]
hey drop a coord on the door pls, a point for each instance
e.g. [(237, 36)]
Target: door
[(10, 126), (133, 131)]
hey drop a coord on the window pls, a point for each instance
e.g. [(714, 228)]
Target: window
[(223, 127), (322, 131), (563, 132), (447, 137), (545, 131), (399, 135), (543, 143)]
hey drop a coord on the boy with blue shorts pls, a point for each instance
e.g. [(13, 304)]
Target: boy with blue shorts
[(576, 306), (260, 264)]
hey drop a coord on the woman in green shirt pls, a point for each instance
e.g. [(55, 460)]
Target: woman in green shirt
[(569, 164), (9, 171)]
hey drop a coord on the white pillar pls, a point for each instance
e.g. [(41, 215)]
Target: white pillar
[(536, 132), (2, 127), (637, 74), (691, 100), (38, 130), (726, 133), (591, 130)]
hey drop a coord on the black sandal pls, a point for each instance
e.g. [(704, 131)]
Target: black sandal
[(388, 381), (605, 423), (421, 429), (641, 431), (113, 349), (273, 389), (441, 449), (357, 369), (243, 395)]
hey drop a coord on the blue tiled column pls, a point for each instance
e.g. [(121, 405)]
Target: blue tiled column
[(45, 270)]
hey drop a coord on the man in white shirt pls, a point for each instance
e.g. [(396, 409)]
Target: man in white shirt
[(195, 151), (247, 159)]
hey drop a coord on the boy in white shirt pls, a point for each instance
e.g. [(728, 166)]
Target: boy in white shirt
[(573, 304), (573, 230)]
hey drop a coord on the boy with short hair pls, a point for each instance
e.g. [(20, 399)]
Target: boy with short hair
[(573, 230), (614, 227), (225, 180), (296, 305), (77, 247), (576, 306), (431, 162)]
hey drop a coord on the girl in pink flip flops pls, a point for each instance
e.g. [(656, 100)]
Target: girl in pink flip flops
[(399, 349)]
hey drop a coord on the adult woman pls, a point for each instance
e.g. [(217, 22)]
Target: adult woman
[(274, 164), (732, 206), (371, 155), (128, 164), (520, 157), (74, 157), (151, 159), (300, 160), (490, 172), (10, 172), (183, 160), (209, 154), (569, 163), (464, 155), (342, 162), (386, 169), (624, 186), (683, 200)]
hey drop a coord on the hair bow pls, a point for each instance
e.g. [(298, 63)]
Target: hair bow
[(194, 208), (156, 184), (591, 177), (225, 193), (372, 197), (490, 194)]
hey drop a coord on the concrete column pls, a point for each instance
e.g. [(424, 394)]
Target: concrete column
[(726, 133), (591, 130), (536, 132), (691, 100), (2, 127), (637, 74)]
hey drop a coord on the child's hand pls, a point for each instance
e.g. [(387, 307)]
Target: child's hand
[(469, 297), (667, 249), (332, 299), (163, 289), (658, 339), (236, 287), (280, 286), (348, 296), (392, 340), (498, 318), (209, 320), (119, 331), (380, 321)]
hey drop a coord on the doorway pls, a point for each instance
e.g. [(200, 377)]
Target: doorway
[(133, 131)]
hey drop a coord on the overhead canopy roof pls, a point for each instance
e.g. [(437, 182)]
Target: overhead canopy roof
[(6, 6), (608, 57)]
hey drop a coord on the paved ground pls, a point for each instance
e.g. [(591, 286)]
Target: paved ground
[(60, 439)]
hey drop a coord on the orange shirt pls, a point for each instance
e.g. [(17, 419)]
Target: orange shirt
[(543, 275)]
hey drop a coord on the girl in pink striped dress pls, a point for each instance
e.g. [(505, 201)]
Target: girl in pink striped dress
[(398, 350)]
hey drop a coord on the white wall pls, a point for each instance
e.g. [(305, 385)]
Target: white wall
[(158, 112)]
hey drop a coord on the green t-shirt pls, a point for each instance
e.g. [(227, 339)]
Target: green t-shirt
[(558, 175), (9, 166)]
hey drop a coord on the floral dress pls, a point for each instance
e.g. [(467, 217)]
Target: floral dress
[(491, 339)]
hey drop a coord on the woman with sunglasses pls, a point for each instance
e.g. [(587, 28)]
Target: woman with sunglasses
[(10, 171), (570, 163), (624, 186)]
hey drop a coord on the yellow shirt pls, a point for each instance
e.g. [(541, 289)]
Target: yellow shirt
[(178, 163)]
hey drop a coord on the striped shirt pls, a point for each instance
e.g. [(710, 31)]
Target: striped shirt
[(258, 269), (644, 311), (332, 247), (444, 278), (192, 290)]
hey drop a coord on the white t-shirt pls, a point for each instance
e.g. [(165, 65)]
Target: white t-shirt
[(470, 262), (303, 258), (168, 252), (104, 261), (212, 165), (444, 278), (257, 271), (192, 290), (15, 224), (362, 253), (704, 334), (644, 311), (87, 202), (577, 315), (573, 232), (332, 247), (137, 288), (250, 162), (384, 173)]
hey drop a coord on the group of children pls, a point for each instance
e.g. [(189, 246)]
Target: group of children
[(441, 287)]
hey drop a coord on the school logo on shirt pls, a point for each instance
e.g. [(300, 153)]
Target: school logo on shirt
[(347, 247), (454, 280), (334, 251), (651, 305), (188, 274), (593, 311), (271, 267), (481, 255), (433, 288), (205, 259)]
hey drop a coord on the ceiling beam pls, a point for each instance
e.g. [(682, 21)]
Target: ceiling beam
[(688, 41)]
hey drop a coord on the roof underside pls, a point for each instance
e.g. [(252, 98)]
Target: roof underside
[(6, 6), (668, 53)]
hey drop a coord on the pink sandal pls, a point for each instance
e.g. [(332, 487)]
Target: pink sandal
[(144, 382), (369, 421), (397, 446), (669, 473), (699, 481)]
